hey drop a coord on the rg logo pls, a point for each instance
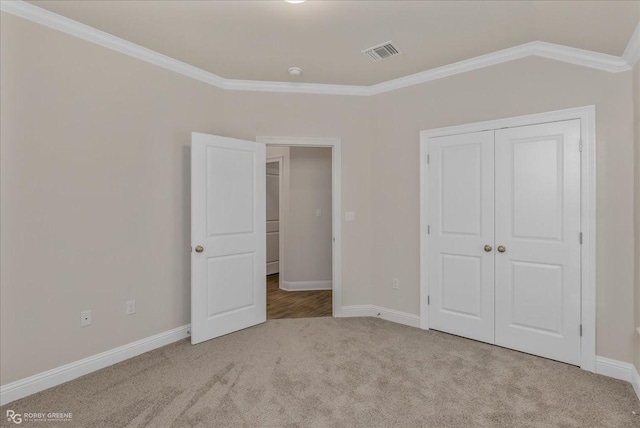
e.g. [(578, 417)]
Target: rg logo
[(14, 417)]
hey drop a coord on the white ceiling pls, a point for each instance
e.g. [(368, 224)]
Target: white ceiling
[(260, 40)]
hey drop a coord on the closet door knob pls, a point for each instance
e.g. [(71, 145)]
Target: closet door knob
[(502, 248), (199, 249), (488, 248)]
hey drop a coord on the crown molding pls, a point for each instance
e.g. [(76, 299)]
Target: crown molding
[(632, 51), (595, 60), (567, 54), (300, 88), (69, 26)]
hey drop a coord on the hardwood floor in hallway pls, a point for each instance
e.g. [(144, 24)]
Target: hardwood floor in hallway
[(296, 304)]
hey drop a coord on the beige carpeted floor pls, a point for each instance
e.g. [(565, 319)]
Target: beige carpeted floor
[(327, 372)]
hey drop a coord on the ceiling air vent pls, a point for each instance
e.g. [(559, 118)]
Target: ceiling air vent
[(382, 51)]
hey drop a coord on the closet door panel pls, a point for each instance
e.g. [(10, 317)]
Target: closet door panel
[(461, 276), (537, 218)]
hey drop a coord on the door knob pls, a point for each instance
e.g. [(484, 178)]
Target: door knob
[(199, 249), (502, 248), (488, 248)]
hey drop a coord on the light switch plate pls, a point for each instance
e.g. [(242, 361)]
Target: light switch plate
[(350, 216)]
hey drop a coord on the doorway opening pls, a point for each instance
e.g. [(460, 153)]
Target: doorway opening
[(302, 287), (302, 215)]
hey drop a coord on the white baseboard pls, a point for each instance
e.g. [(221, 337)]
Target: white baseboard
[(36, 383), (619, 370), (380, 312), (306, 285)]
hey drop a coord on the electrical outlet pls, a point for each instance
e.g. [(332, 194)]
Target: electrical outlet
[(395, 283), (318, 212), (85, 318), (350, 216), (131, 307)]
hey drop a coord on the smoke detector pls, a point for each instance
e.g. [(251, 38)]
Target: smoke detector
[(382, 51)]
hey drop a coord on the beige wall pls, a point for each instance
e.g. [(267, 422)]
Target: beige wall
[(95, 185), (95, 196), (308, 238)]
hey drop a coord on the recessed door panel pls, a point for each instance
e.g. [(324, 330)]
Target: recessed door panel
[(537, 219), (461, 189), (462, 285), (273, 247), (230, 192), (536, 297), (230, 283), (537, 187), (460, 180)]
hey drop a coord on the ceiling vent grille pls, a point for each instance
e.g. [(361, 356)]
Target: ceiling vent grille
[(382, 51)]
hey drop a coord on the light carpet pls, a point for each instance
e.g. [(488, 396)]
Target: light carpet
[(329, 372)]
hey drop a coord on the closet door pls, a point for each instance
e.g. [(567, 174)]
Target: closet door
[(460, 255), (538, 239)]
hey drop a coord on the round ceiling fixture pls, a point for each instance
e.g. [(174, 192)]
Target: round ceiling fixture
[(295, 1), (295, 71)]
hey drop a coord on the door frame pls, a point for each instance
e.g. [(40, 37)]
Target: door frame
[(282, 160), (586, 115), (336, 183)]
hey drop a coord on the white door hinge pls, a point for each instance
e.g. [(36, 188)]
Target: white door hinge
[(428, 300), (580, 145), (580, 330), (428, 229), (580, 238), (428, 159)]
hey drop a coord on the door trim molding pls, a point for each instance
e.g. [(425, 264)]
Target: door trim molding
[(586, 115), (336, 199)]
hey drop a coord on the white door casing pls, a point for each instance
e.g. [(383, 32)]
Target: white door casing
[(461, 215), (538, 225), (336, 203), (228, 220)]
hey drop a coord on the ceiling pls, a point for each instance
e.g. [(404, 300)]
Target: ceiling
[(261, 40)]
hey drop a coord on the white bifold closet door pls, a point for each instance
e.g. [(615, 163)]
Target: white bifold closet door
[(461, 275), (504, 241), (538, 225)]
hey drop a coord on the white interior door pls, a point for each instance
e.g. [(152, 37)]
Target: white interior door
[(461, 272), (538, 227), (273, 218), (228, 258)]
